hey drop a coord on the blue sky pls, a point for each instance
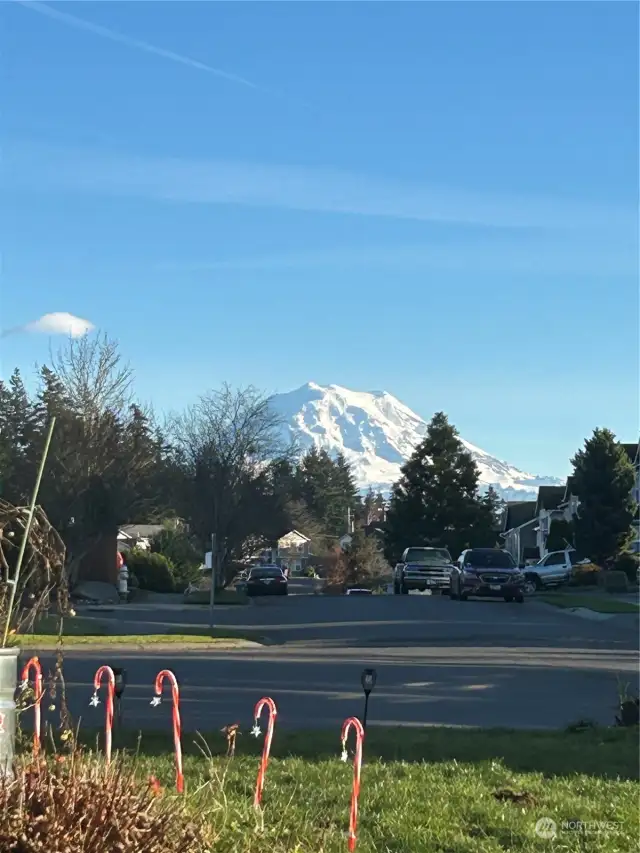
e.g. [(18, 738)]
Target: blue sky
[(437, 199)]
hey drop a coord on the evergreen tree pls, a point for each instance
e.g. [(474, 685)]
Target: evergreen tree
[(327, 488), (603, 477), (436, 503), (362, 559)]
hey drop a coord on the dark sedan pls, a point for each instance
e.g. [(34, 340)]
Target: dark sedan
[(267, 580), (487, 572)]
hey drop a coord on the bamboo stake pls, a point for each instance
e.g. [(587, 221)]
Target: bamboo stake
[(13, 582)]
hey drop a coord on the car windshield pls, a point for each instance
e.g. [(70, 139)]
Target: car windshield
[(266, 573), (489, 560), (429, 556)]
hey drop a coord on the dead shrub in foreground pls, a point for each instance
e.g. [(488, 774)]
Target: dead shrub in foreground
[(79, 805)]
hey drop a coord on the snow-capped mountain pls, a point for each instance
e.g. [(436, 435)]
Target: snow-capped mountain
[(377, 433)]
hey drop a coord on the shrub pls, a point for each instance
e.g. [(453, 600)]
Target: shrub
[(586, 574), (79, 803), (182, 553), (628, 563), (152, 571), (613, 581)]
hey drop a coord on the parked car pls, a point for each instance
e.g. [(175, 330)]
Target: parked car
[(552, 570), (487, 572), (422, 569), (267, 580)]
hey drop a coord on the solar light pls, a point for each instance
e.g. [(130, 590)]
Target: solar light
[(120, 675), (368, 681)]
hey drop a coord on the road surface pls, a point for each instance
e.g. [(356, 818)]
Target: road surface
[(439, 662)]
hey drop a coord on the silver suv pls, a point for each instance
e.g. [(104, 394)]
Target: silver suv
[(552, 570), (423, 569)]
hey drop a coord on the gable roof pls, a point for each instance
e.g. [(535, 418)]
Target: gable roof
[(296, 532), (140, 531), (633, 452), (550, 497), (519, 513)]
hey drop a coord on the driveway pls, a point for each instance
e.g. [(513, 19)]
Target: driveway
[(439, 662)]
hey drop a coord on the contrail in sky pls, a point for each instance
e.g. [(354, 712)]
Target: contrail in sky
[(97, 29)]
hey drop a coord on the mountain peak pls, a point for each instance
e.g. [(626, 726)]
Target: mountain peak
[(377, 433)]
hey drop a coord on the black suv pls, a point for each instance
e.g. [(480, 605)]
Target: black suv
[(487, 572)]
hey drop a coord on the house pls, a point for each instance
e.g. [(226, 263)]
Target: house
[(137, 536), (526, 524), (518, 530), (292, 551)]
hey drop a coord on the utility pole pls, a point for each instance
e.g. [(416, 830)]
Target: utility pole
[(212, 593)]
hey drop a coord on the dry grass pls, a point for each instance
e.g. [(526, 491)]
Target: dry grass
[(77, 803)]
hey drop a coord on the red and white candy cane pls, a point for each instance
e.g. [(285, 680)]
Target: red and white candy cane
[(95, 701), (157, 699), (34, 664), (349, 723), (265, 702)]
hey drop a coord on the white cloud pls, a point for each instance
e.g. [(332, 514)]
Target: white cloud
[(297, 187), (507, 256), (58, 323)]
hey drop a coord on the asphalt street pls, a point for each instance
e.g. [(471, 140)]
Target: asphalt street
[(439, 662)]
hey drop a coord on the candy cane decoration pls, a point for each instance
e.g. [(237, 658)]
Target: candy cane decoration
[(157, 699), (95, 701), (353, 722), (266, 749), (34, 664)]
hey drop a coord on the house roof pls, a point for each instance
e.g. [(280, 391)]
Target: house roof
[(550, 497), (633, 452), (140, 531), (519, 513), (296, 533)]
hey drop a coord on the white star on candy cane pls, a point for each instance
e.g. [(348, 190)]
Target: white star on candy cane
[(24, 684), (344, 756), (155, 701), (255, 731), (95, 701)]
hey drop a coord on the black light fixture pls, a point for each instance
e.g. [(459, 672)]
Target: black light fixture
[(120, 675), (368, 680)]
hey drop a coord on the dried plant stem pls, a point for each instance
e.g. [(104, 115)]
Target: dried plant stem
[(13, 582)]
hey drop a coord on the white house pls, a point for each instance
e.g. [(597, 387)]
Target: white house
[(291, 551), (137, 536)]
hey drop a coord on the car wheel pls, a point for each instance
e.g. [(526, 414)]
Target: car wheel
[(532, 583), (396, 589), (508, 599), (520, 598), (404, 590), (453, 595), (464, 596)]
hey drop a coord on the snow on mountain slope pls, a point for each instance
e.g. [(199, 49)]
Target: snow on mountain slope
[(377, 433)]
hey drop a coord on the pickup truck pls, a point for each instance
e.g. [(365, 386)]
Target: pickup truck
[(422, 569)]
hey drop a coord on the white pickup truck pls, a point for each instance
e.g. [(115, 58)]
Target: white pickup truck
[(423, 569)]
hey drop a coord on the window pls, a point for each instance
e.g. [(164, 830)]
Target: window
[(556, 559), (489, 559)]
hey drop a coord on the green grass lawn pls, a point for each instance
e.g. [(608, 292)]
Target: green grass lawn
[(599, 603), (423, 791), (81, 631)]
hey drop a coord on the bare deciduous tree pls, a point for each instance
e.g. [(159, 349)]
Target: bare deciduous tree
[(224, 446)]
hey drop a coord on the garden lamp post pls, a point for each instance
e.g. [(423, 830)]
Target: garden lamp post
[(120, 674), (368, 681)]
